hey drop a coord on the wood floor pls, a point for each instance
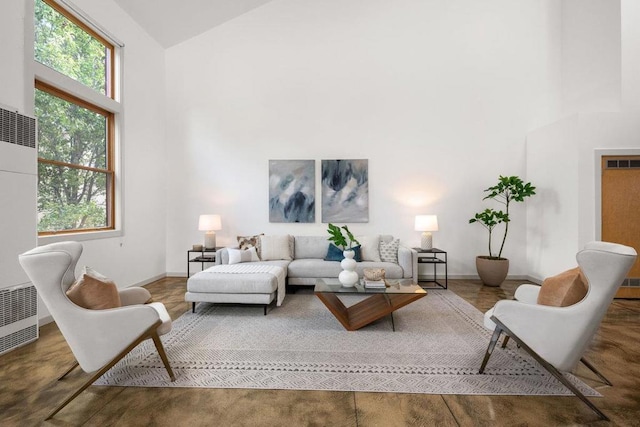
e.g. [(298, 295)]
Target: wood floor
[(29, 390)]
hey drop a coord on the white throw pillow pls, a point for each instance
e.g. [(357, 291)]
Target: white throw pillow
[(237, 256), (275, 247), (369, 247)]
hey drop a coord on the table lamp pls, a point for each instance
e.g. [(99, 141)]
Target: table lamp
[(209, 223), (426, 224)]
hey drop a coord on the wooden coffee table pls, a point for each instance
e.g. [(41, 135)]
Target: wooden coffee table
[(377, 304)]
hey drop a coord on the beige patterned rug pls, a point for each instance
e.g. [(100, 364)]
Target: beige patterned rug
[(437, 348)]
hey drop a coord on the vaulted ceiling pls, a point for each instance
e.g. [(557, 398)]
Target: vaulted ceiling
[(173, 21)]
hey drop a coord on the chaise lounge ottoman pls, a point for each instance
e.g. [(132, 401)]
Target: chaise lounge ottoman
[(247, 283)]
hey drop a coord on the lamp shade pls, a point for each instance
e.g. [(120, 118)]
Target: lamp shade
[(209, 223), (426, 223)]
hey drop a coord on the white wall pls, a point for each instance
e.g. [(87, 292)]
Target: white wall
[(591, 55), (552, 215), (18, 178), (630, 41), (437, 95), (139, 254), (563, 159), (12, 53), (564, 156)]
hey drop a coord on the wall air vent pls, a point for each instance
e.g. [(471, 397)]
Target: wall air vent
[(623, 164), (16, 128), (18, 317), (632, 282)]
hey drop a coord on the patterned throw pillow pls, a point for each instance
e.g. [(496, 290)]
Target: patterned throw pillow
[(246, 242), (389, 251)]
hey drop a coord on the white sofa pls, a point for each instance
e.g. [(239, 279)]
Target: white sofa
[(308, 261), (303, 262)]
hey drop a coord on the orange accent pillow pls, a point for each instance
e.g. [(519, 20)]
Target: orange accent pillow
[(94, 291), (564, 289)]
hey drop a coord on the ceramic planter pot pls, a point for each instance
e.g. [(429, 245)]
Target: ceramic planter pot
[(492, 271)]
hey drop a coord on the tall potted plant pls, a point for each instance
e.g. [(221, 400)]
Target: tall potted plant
[(493, 269), (348, 277)]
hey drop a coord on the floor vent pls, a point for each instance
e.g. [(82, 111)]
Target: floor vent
[(18, 317), (18, 129)]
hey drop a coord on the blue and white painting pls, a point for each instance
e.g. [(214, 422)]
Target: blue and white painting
[(345, 191), (292, 191)]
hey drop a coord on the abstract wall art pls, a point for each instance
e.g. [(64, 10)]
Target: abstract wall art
[(292, 191), (345, 191)]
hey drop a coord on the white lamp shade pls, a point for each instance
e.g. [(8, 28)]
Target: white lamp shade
[(426, 223), (209, 223)]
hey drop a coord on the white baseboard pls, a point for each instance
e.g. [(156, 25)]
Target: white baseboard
[(45, 320), (476, 277), (177, 274), (150, 280)]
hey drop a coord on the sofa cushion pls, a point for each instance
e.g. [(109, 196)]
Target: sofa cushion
[(369, 245), (94, 291), (389, 250), (276, 247), (237, 256), (229, 283), (314, 268), (564, 289), (311, 247)]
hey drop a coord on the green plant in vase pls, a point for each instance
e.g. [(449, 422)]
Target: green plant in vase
[(338, 239), (493, 269), (348, 277)]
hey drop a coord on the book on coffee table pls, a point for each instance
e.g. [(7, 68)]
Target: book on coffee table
[(374, 284)]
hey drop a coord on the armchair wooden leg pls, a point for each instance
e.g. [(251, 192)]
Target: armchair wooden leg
[(163, 355), (74, 366), (595, 371), (505, 340), (149, 333), (492, 344), (548, 366)]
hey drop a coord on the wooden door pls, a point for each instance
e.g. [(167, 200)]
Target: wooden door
[(621, 211)]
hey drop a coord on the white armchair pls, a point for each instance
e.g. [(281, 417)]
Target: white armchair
[(557, 337), (97, 338)]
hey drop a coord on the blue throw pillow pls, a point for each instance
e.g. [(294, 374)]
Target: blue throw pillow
[(335, 253)]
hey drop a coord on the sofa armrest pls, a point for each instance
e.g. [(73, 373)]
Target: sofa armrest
[(408, 260)]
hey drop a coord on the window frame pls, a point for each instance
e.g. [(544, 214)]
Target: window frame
[(108, 105)]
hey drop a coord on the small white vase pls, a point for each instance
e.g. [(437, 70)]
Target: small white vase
[(348, 276)]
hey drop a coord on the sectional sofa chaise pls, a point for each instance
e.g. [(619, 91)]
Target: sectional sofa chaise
[(257, 273)]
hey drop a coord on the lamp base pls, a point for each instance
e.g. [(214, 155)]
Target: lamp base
[(210, 240), (427, 241)]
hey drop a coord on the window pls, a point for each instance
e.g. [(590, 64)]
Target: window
[(75, 107)]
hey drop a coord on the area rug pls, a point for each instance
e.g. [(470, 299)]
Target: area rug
[(437, 348)]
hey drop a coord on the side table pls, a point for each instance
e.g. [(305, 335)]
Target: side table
[(205, 256), (434, 257)]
